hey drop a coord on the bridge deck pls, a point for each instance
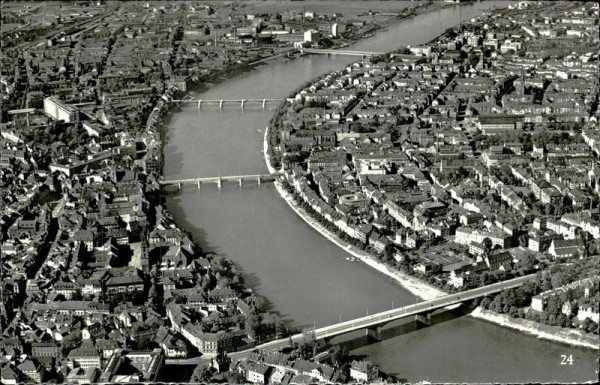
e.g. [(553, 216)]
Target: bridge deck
[(263, 177), (342, 52), (227, 100)]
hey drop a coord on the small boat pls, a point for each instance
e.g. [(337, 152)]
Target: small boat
[(259, 130)]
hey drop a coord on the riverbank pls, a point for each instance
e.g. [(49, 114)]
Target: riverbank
[(553, 333)]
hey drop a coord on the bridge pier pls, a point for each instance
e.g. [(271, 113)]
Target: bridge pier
[(221, 104), (179, 185), (264, 103), (240, 182), (243, 101), (374, 333), (423, 319), (198, 182), (327, 339), (200, 104), (219, 183), (258, 180)]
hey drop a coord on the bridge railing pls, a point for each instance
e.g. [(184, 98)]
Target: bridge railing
[(217, 178)]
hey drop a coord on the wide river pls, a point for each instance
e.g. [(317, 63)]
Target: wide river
[(308, 279)]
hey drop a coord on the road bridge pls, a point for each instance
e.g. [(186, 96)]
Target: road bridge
[(375, 322), (341, 52), (223, 102), (258, 178), (404, 57)]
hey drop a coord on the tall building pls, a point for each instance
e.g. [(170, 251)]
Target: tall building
[(59, 110), (312, 35)]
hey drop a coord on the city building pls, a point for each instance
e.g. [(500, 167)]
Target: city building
[(59, 110)]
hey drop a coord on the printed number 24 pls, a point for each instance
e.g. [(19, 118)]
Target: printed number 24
[(566, 360)]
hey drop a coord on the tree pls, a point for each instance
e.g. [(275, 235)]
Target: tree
[(485, 303), (326, 42), (145, 342), (201, 374), (72, 342), (279, 327), (487, 245), (252, 325), (590, 326), (562, 320), (236, 378), (485, 278), (308, 336), (259, 304), (523, 239), (339, 355), (388, 252)]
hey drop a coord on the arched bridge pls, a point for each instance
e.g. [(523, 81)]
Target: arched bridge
[(373, 323), (259, 178), (223, 102)]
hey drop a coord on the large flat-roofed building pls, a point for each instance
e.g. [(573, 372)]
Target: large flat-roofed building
[(466, 235), (82, 376), (499, 124), (59, 110), (84, 358), (133, 366)]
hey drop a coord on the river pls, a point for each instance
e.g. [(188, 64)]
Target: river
[(307, 279)]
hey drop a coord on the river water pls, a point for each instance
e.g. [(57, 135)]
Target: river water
[(307, 279)]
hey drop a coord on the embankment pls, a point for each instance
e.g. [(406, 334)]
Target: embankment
[(554, 333)]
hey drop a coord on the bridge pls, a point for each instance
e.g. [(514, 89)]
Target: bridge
[(222, 102), (404, 57), (259, 178), (341, 52), (375, 322)]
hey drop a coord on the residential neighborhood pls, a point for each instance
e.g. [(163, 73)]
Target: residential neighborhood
[(463, 162)]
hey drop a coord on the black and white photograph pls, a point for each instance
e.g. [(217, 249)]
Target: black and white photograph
[(299, 192)]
